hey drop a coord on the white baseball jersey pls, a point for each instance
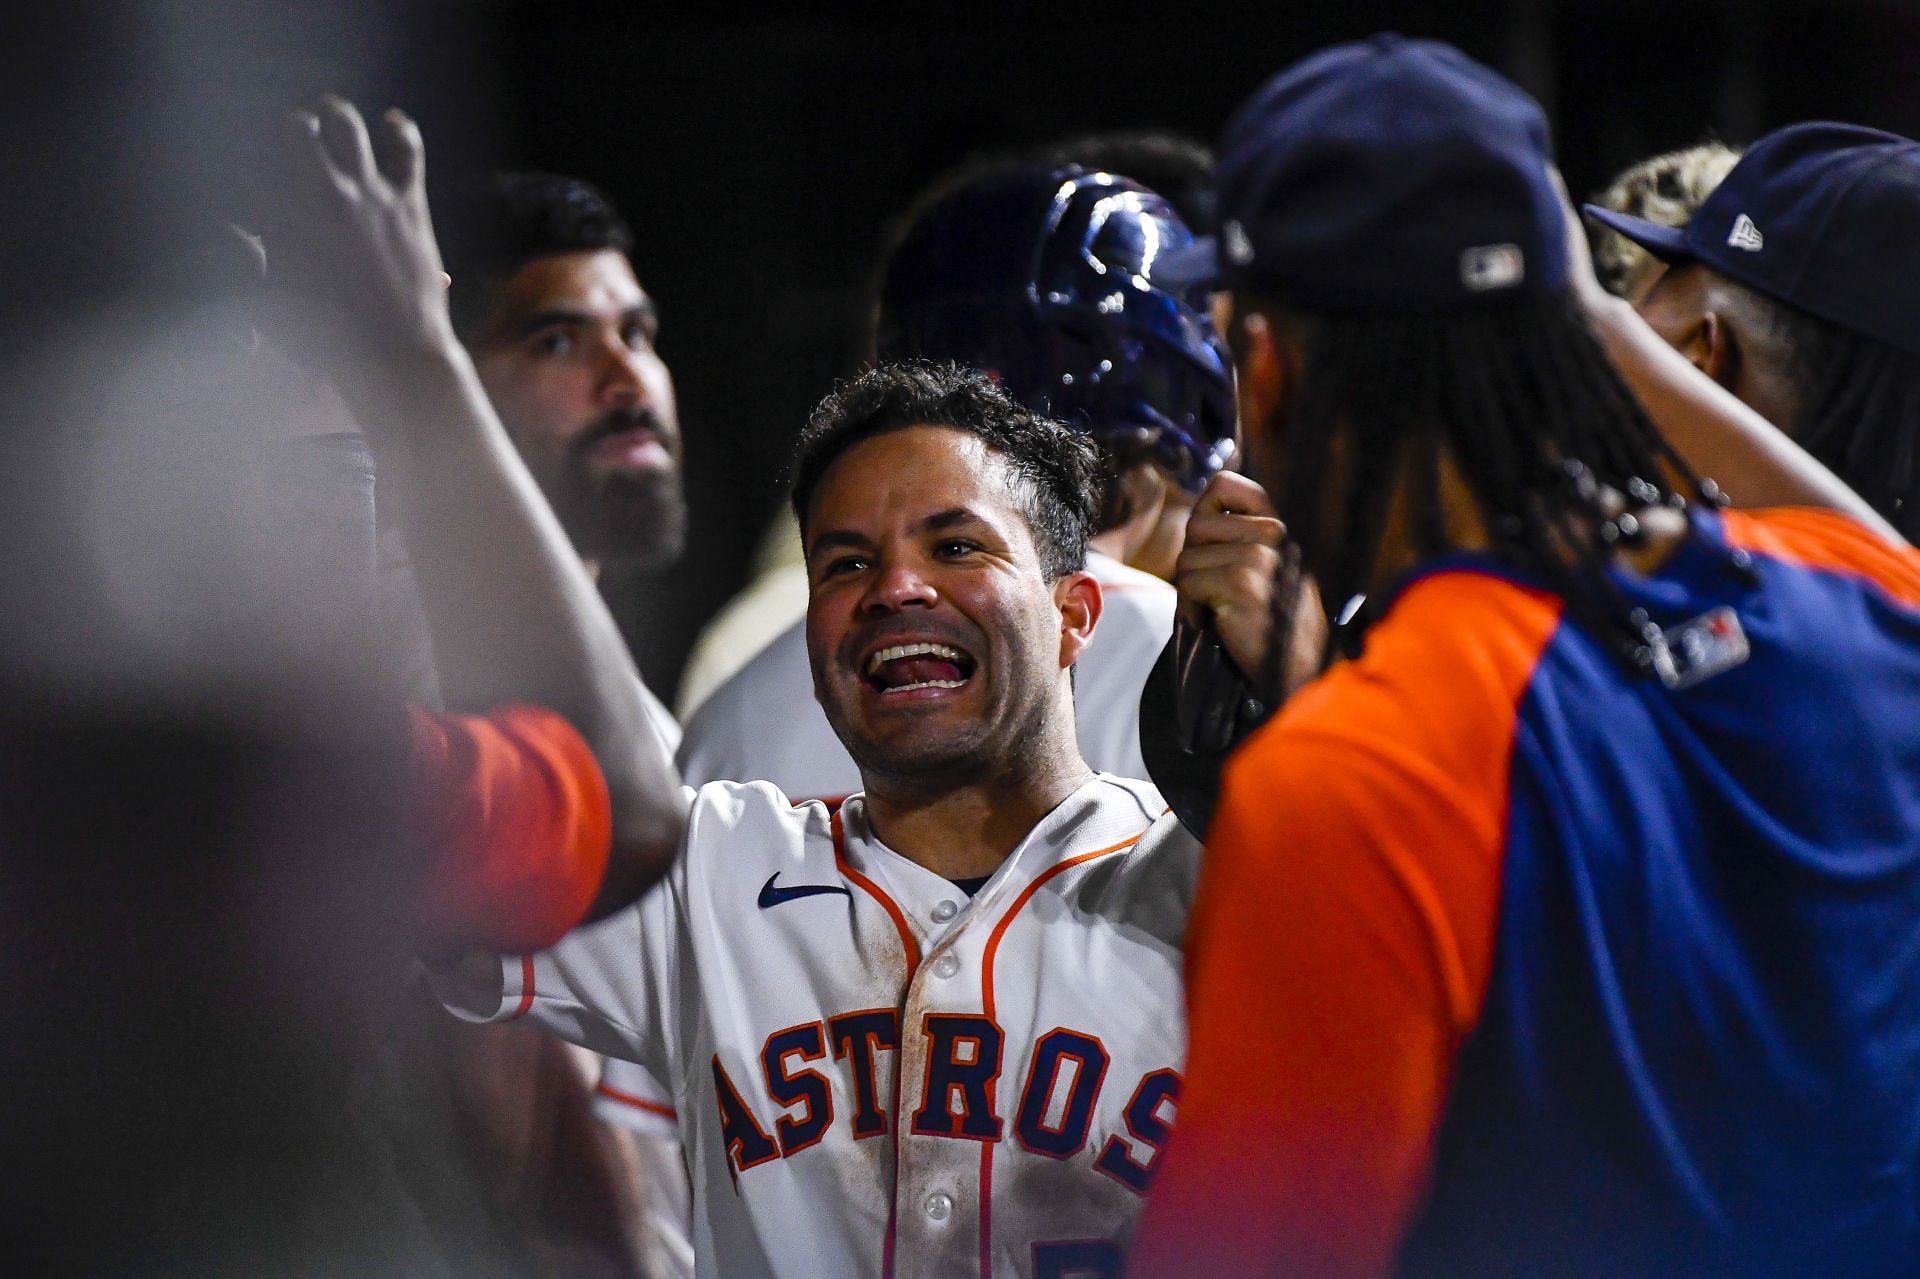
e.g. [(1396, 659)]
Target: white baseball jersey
[(763, 724), (876, 1075), (635, 1101)]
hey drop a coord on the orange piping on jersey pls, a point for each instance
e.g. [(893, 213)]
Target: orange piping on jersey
[(526, 988), (638, 1103), (1026, 895), (1827, 541), (986, 1004), (873, 890), (912, 949)]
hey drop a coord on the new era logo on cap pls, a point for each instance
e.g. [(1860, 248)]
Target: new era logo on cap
[(1817, 215), (1492, 266)]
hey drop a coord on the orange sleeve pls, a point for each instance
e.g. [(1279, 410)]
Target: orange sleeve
[(1341, 947), (1829, 541), (511, 816)]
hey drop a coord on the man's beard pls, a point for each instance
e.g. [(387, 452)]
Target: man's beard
[(635, 519)]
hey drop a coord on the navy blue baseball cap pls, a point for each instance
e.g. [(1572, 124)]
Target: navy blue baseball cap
[(1389, 175), (1822, 216)]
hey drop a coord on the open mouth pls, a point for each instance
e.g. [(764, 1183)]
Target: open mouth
[(907, 668)]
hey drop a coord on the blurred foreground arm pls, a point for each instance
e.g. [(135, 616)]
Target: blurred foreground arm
[(514, 617)]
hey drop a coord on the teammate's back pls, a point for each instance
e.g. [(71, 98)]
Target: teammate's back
[(1701, 1041), (1635, 963), (1699, 1050)]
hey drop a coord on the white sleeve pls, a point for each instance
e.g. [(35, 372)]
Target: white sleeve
[(667, 1198), (629, 1096), (613, 987)]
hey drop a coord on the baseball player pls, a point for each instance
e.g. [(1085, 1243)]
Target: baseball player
[(1792, 285), (1530, 943), (1012, 269), (958, 1059), (1045, 277), (933, 1032)]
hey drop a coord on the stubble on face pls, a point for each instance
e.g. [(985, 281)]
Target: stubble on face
[(569, 362), (634, 518), (916, 536)]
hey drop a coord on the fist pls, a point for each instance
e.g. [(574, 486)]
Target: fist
[(1227, 574)]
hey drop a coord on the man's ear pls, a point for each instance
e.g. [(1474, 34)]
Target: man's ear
[(1718, 348), (1707, 340), (1265, 367), (1077, 596)]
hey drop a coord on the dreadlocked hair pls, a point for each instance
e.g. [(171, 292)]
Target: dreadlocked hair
[(1524, 406), (1859, 412)]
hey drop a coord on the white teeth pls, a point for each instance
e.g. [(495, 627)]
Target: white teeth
[(928, 683), (899, 651)]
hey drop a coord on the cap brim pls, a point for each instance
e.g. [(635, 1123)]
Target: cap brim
[(1189, 265), (1668, 243)]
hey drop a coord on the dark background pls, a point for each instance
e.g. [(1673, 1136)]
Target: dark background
[(760, 154), (200, 785)]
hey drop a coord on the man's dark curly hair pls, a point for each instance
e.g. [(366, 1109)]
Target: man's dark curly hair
[(1053, 468), (494, 226)]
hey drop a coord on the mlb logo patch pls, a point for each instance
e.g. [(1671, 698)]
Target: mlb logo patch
[(1492, 266), (1711, 644)]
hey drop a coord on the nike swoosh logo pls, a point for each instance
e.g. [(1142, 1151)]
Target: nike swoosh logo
[(771, 896)]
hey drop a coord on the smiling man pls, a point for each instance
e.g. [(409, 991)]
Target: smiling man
[(976, 961), (938, 662), (936, 1032)]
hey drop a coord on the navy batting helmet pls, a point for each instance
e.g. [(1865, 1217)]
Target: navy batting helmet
[(1045, 279)]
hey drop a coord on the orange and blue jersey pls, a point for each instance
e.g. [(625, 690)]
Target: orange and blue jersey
[(1507, 962)]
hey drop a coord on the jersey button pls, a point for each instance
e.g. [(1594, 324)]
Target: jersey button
[(944, 911), (939, 1206), (945, 966)]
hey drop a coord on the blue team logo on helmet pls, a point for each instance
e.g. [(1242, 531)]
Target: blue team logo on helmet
[(1045, 278)]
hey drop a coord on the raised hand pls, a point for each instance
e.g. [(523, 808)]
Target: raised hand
[(352, 254)]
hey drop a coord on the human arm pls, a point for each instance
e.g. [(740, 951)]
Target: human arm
[(514, 617), (1754, 462)]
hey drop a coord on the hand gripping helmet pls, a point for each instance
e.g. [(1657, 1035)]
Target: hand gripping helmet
[(1044, 278)]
